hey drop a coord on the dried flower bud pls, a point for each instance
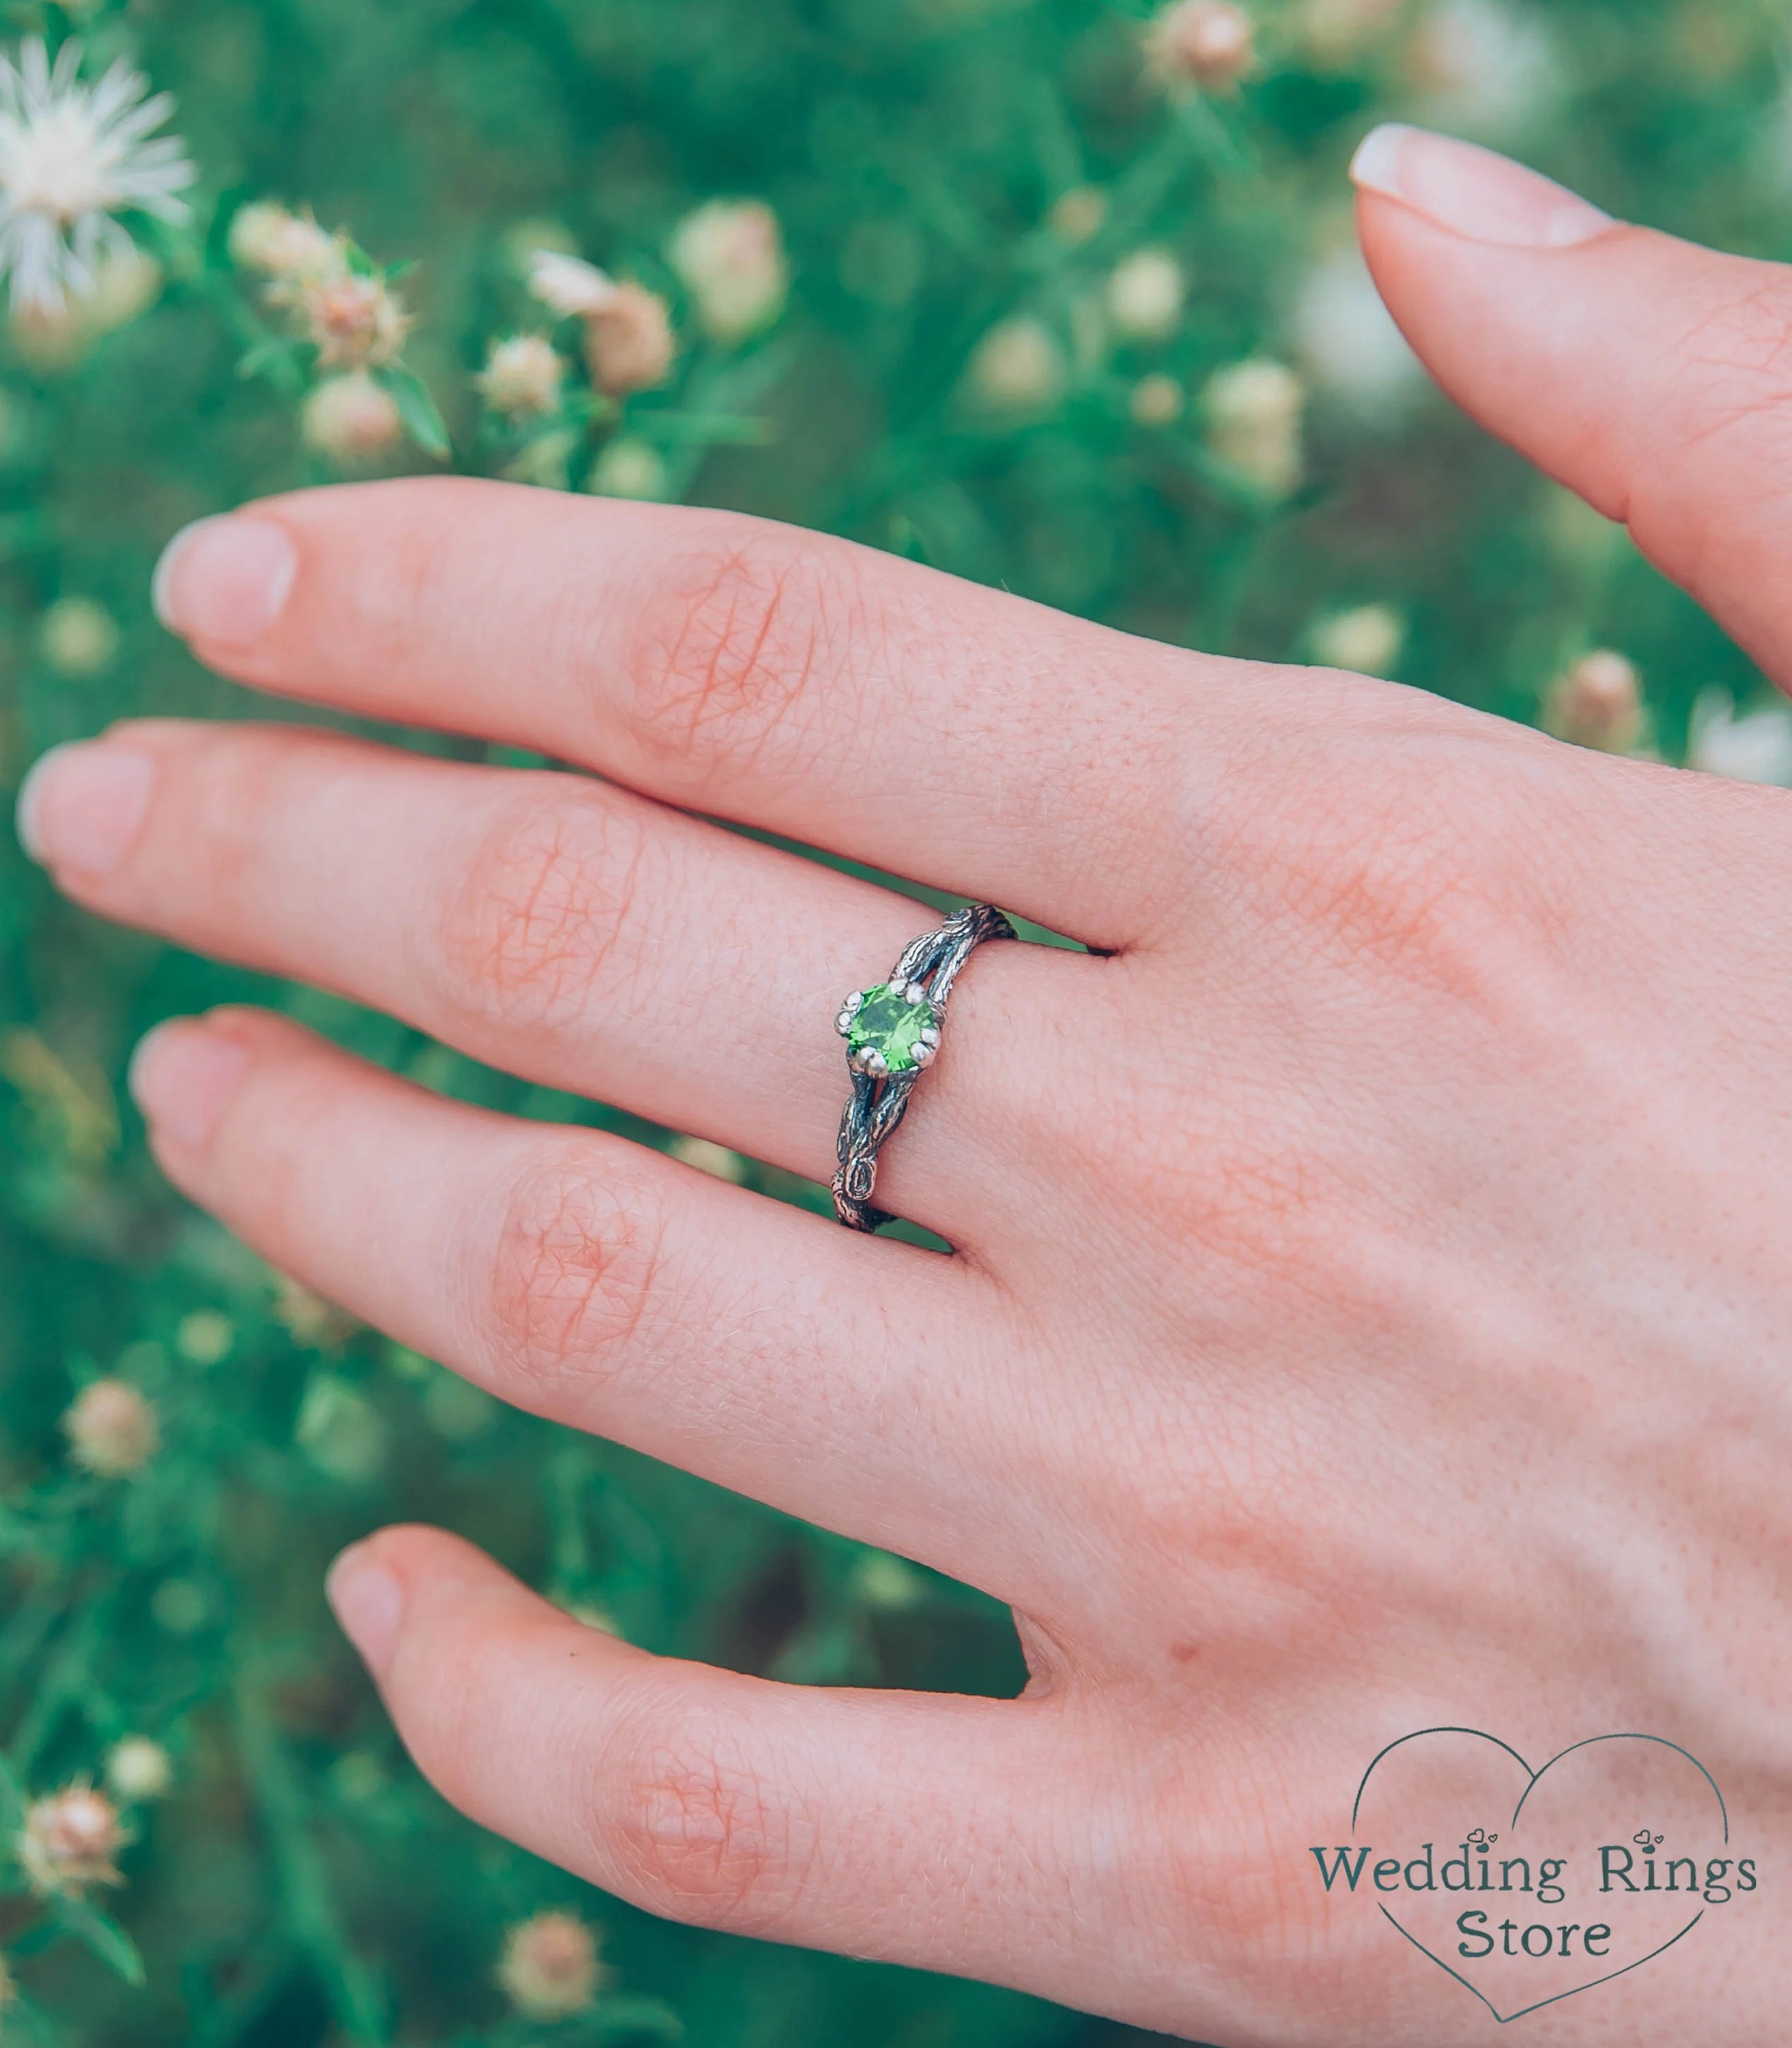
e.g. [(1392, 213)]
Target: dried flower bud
[(629, 468), (351, 418), (1368, 640), (549, 1968), (1145, 295), (730, 255), (568, 286), (111, 1428), (1598, 702), (267, 237), (1157, 401), (521, 377), (1078, 214), (1017, 367), (1203, 45), (1254, 412), (71, 1839), (353, 320), (78, 637), (138, 1768), (628, 342)]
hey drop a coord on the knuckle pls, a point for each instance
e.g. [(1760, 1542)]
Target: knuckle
[(701, 1836), (1386, 866), (541, 913), (574, 1274), (729, 651)]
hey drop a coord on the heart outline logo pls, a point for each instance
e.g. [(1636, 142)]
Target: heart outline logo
[(1533, 1779)]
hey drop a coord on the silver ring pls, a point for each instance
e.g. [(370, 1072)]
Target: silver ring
[(892, 1034)]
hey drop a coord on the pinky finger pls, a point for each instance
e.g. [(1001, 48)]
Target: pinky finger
[(903, 1826)]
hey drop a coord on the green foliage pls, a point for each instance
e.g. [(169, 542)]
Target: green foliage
[(929, 161)]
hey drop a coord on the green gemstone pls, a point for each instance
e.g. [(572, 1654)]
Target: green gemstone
[(890, 1024)]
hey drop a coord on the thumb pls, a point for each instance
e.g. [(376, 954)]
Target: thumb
[(1650, 375)]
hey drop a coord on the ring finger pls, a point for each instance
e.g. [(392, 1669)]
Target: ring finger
[(585, 937)]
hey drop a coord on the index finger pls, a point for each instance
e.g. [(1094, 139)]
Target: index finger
[(781, 679)]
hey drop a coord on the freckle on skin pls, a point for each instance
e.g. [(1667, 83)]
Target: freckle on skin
[(1184, 1653)]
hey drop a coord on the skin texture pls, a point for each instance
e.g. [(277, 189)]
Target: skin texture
[(1370, 1298)]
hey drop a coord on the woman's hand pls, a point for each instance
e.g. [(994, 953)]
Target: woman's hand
[(1371, 1304)]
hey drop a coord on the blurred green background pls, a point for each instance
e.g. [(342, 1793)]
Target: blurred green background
[(943, 172)]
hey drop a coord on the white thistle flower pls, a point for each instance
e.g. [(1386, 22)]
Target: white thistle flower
[(1756, 747), (72, 156), (568, 286)]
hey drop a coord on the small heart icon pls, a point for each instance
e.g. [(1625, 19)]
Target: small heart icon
[(1530, 1885)]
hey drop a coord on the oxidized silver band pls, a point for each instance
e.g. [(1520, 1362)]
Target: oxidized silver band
[(892, 1032)]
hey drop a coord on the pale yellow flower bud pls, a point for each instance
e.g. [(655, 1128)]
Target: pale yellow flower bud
[(629, 468), (1079, 213), (111, 1428), (78, 637), (708, 1158), (267, 237), (1254, 415), (1157, 401), (549, 1968), (138, 1768), (730, 256), (1368, 640), (1145, 295), (522, 377), (71, 1839), (1017, 367), (1336, 31), (352, 419)]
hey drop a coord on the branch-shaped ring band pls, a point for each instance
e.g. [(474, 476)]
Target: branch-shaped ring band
[(892, 1034)]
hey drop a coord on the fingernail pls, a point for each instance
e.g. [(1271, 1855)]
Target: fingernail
[(225, 579), (1471, 191), (369, 1601), (82, 804), (182, 1077)]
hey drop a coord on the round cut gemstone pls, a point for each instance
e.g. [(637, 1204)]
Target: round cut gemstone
[(888, 1023)]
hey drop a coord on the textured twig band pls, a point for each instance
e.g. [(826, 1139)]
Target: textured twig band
[(892, 1034)]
